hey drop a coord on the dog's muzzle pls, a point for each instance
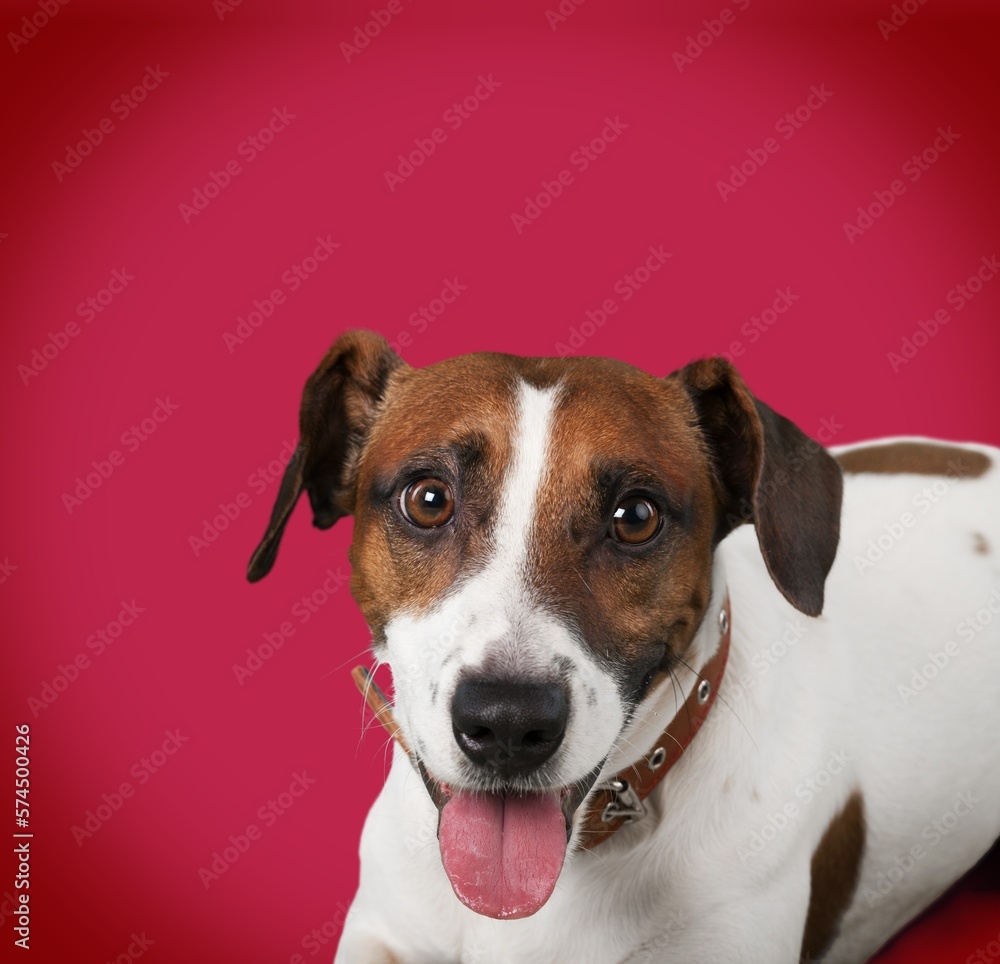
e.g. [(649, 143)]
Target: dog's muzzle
[(503, 850)]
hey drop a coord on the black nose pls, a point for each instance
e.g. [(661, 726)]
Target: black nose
[(510, 727)]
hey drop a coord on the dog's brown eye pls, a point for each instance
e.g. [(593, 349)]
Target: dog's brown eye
[(636, 520), (427, 503)]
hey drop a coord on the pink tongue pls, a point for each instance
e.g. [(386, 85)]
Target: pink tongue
[(503, 854)]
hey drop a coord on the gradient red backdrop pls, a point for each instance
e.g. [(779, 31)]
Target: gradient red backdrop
[(172, 167)]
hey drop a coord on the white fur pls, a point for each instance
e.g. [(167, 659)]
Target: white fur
[(810, 711)]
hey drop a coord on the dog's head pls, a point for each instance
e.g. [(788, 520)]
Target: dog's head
[(533, 543)]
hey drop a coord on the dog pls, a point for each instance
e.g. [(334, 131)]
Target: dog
[(630, 726)]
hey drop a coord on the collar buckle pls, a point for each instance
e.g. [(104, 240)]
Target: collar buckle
[(625, 803)]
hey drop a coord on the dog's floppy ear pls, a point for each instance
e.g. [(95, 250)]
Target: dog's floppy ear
[(769, 473), (338, 407)]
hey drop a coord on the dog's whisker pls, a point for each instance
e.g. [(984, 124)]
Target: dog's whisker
[(618, 744), (675, 684), (730, 708), (687, 666), (584, 581), (350, 659), (367, 724)]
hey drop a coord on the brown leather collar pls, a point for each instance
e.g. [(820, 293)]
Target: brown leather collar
[(616, 801)]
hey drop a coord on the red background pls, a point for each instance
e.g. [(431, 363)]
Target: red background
[(324, 175)]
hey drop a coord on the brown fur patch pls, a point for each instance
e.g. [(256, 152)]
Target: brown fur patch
[(980, 544), (834, 873), (618, 430), (921, 458), (454, 421)]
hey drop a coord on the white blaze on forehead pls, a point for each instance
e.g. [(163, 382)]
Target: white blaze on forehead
[(519, 502)]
